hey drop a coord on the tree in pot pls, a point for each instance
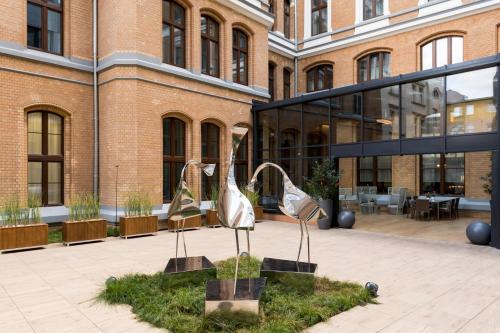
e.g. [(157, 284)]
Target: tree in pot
[(488, 185), (323, 186)]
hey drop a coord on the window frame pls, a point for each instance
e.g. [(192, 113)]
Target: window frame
[(315, 71), (45, 158), (286, 18), (374, 169), (173, 159), (442, 174), (210, 160), (45, 7), (272, 80), (287, 83), (449, 45), (238, 162), (239, 50), (374, 9), (210, 39), (319, 8), (172, 24), (368, 57)]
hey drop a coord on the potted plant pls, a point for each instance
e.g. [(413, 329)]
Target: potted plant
[(21, 227), (323, 186), (139, 218), (488, 185), (211, 215), (85, 224), (254, 197)]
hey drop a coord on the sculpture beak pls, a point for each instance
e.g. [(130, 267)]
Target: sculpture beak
[(208, 169)]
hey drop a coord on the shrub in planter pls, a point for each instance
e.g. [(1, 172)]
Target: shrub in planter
[(211, 215), (21, 227), (139, 218), (323, 186), (84, 223), (254, 197)]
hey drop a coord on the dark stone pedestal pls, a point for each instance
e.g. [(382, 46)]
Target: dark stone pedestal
[(220, 295), (294, 276)]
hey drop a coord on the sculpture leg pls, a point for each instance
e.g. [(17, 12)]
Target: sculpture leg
[(248, 260), (184, 239), (300, 245), (308, 248), (237, 261), (176, 243)]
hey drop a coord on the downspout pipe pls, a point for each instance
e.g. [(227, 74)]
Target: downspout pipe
[(295, 58), (95, 101)]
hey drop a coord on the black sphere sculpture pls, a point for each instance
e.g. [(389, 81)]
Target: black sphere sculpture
[(372, 288), (346, 219), (479, 233)]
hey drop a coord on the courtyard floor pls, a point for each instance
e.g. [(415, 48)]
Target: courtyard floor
[(425, 285)]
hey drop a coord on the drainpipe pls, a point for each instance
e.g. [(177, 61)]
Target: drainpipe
[(95, 100), (295, 58)]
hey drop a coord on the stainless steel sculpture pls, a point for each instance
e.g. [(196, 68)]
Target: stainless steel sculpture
[(295, 203), (184, 205)]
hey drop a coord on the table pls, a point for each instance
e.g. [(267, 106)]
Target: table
[(369, 208), (435, 202)]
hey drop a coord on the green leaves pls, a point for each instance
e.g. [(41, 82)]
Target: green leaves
[(13, 213), (324, 181), (138, 204), (85, 206)]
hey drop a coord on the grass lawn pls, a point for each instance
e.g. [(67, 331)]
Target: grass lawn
[(181, 308)]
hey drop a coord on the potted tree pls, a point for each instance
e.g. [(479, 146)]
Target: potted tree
[(488, 185), (211, 215), (323, 186), (139, 218), (254, 197), (85, 224), (21, 227)]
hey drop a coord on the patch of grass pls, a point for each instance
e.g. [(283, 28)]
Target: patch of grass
[(55, 236), (113, 232), (181, 309)]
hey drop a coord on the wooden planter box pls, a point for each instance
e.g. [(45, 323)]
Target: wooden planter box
[(84, 231), (211, 218), (138, 225), (193, 222), (259, 212), (24, 236)]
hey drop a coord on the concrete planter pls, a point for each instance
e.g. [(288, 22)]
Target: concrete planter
[(24, 236), (84, 231), (138, 225)]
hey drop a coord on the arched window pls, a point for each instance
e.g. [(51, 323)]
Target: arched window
[(210, 153), (286, 83), (442, 51), (174, 155), (241, 163), (372, 8), (374, 66), (319, 16), (319, 78), (44, 24), (240, 57), (271, 83), (46, 157), (209, 46), (286, 18), (174, 37)]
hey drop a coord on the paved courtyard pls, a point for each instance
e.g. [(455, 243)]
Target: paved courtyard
[(425, 286)]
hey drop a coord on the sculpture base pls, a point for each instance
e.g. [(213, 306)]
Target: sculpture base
[(294, 276), (188, 270), (219, 295)]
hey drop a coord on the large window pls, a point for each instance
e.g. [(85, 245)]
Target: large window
[(174, 155), (240, 57), (241, 163), (346, 118), (374, 66), (442, 51), (46, 157), (210, 154), (375, 171), (271, 83), (443, 174), (286, 18), (319, 78), (286, 83), (209, 46), (174, 36), (381, 114), (319, 16), (372, 8), (45, 25)]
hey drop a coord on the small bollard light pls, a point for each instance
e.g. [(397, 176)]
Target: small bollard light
[(372, 288)]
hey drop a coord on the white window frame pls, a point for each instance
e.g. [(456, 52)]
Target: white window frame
[(307, 19), (359, 11)]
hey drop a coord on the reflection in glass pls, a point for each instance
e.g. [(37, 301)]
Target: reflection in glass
[(290, 131), (375, 171), (54, 31), (34, 26), (316, 128), (423, 104), (35, 178), (381, 114), (54, 183), (443, 174), (35, 133), (442, 51), (210, 154), (470, 105), (346, 118), (174, 136)]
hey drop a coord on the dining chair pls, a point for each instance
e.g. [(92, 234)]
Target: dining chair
[(423, 206), (447, 208), (456, 202)]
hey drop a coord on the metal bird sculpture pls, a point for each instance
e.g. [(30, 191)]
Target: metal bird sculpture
[(294, 203), (233, 208)]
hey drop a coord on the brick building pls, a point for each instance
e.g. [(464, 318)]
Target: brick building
[(171, 77)]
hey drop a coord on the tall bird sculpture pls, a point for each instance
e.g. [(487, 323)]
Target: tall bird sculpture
[(294, 203), (184, 204), (233, 208)]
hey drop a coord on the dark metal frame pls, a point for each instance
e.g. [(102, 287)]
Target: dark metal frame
[(286, 18), (46, 6), (170, 21), (210, 159), (489, 141), (375, 168), (239, 50), (326, 68), (272, 80), (173, 159), (442, 174), (208, 38), (287, 86), (434, 52)]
